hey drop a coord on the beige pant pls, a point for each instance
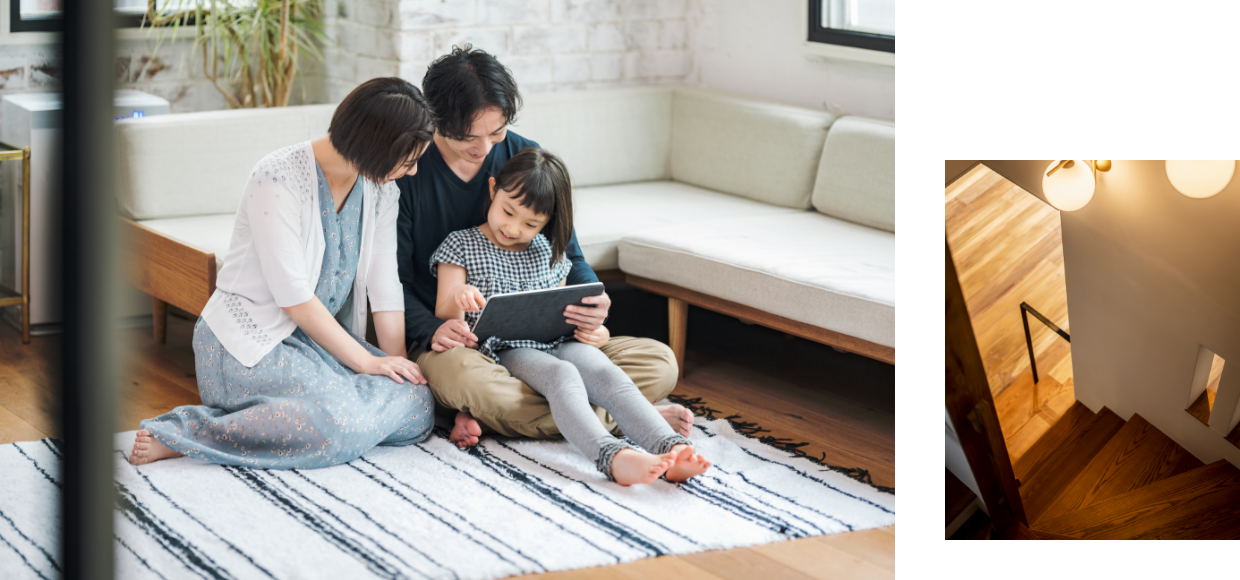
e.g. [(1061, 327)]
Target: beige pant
[(464, 379)]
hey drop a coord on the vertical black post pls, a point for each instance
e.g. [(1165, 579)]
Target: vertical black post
[(1024, 317), (88, 394)]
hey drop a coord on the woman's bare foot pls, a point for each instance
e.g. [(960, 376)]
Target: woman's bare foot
[(466, 431), (630, 466), (678, 417), (146, 449), (688, 464)]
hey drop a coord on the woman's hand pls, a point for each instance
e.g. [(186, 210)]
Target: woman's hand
[(589, 317), (452, 334), (467, 298), (396, 368), (597, 337)]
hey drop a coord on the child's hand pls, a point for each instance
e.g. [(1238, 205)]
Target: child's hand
[(468, 298), (597, 337)]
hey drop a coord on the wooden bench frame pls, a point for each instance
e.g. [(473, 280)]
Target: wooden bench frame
[(169, 270), (678, 300), (183, 276)]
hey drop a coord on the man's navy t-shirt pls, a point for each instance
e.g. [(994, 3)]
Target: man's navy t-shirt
[(434, 203)]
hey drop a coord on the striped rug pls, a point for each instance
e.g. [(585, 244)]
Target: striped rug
[(508, 506)]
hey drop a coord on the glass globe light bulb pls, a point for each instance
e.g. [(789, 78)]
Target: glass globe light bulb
[(1200, 179), (1069, 188)]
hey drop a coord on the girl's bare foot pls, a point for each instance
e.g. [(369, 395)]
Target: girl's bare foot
[(630, 466), (146, 449), (678, 417), (466, 431), (688, 464)]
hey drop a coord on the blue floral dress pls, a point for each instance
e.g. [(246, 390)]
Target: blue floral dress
[(299, 407)]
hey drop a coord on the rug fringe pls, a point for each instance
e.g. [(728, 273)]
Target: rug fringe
[(754, 431)]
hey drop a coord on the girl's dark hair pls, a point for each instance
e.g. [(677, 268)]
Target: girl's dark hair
[(461, 84), (380, 124), (539, 181)]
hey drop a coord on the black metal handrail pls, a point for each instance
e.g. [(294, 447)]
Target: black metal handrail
[(1025, 310)]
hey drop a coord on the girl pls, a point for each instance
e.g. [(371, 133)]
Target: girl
[(521, 247)]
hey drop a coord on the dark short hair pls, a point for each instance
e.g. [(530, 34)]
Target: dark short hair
[(380, 124), (539, 181), (465, 82)]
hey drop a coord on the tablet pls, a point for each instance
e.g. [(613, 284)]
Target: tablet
[(536, 315)]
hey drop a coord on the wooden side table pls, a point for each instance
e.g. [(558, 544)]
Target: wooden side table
[(10, 296)]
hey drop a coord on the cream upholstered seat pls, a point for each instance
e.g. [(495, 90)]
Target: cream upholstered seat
[(605, 214), (805, 266), (208, 233)]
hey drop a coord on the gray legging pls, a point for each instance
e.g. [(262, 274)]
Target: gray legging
[(572, 376)]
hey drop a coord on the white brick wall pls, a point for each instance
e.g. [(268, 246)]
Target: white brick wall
[(548, 44), (733, 45)]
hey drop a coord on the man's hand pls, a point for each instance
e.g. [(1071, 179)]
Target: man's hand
[(596, 338), (452, 334), (468, 298), (589, 317)]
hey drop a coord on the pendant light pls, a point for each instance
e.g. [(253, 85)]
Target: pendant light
[(1200, 179), (1069, 185)]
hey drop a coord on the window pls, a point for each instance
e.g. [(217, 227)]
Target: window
[(1204, 388), (864, 24), (44, 15)]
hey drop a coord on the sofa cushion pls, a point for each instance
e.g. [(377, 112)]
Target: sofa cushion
[(602, 215), (197, 163), (209, 233), (857, 175), (746, 147), (805, 266), (605, 136)]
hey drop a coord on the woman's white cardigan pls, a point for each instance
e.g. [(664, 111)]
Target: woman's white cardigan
[(276, 254)]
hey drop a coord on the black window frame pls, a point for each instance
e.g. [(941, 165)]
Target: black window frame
[(56, 24), (864, 40)]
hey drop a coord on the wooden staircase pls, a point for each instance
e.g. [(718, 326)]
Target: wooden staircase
[(1095, 476)]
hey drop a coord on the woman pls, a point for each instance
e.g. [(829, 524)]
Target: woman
[(283, 383)]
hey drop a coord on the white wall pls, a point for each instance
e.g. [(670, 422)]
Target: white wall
[(30, 63), (743, 46), (1151, 276), (752, 47), (550, 45)]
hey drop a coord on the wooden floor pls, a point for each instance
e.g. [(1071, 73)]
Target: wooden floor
[(1008, 248), (838, 423)]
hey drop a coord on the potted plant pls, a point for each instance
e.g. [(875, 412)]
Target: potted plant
[(249, 47)]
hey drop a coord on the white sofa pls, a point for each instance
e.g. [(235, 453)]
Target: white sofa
[(778, 215)]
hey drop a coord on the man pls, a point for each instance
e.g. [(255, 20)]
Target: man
[(475, 98)]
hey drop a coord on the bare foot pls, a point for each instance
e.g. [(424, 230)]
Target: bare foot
[(688, 464), (630, 466), (466, 431), (680, 418), (146, 449)]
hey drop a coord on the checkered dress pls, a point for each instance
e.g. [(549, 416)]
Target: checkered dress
[(497, 271)]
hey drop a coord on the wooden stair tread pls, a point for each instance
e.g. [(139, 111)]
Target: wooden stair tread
[(1201, 407), (1018, 531), (1026, 411), (977, 527), (1016, 404), (1063, 464), (1136, 456), (959, 496), (1076, 417), (1203, 503), (1057, 402), (1045, 535)]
